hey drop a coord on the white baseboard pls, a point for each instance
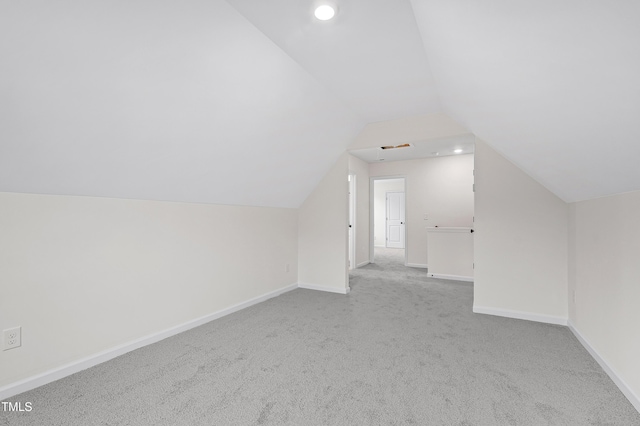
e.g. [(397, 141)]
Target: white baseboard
[(103, 356), (451, 277), (361, 264), (324, 288), (417, 265), (548, 319), (633, 398), (383, 246)]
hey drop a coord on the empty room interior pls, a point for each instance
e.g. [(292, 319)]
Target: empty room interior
[(319, 212)]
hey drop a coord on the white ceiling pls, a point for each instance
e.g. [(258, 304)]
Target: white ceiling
[(181, 101), (250, 102), (370, 55), (552, 85)]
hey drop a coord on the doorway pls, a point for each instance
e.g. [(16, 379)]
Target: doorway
[(387, 217)]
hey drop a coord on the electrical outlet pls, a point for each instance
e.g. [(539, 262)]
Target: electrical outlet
[(286, 268), (12, 338)]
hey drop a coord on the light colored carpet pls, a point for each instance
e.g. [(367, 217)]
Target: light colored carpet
[(400, 349)]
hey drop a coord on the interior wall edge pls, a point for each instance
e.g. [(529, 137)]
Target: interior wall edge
[(633, 398), (324, 288), (521, 240), (323, 236), (464, 278), (528, 316)]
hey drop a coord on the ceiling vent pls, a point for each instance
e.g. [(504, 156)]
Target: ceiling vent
[(404, 145)]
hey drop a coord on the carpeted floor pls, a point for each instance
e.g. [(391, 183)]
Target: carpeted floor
[(401, 348)]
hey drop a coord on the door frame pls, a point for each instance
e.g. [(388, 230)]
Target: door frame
[(372, 180), (351, 255)]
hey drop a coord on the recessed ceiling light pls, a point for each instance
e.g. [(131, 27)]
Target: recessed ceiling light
[(325, 12), (457, 151)]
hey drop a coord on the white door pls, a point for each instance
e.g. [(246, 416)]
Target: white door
[(395, 219)]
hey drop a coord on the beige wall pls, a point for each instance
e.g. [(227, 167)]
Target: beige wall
[(606, 281), (521, 242), (361, 170), (323, 237), (82, 275), (440, 187)]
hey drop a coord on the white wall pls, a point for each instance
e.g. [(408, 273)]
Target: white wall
[(440, 187), (521, 242), (361, 170), (380, 189), (606, 276), (450, 253), (82, 275), (323, 236)]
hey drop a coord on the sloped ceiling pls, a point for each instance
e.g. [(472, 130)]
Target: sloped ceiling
[(370, 55), (250, 102), (552, 85), (181, 101)]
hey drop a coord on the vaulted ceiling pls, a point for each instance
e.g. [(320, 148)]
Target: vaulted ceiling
[(552, 85), (250, 102)]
